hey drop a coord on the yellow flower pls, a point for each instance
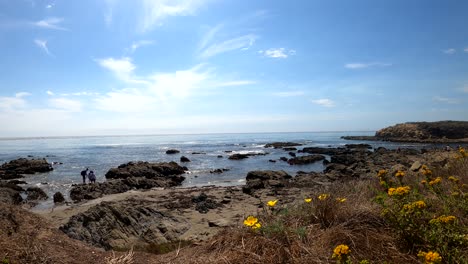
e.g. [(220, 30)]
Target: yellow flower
[(443, 219), (415, 205), (435, 181), (257, 226), (423, 182), (272, 203), (453, 179), (399, 174), (250, 221), (308, 200), (341, 251), (398, 191), (381, 173), (323, 196), (462, 152), (419, 204), (430, 257), (382, 183), (341, 200)]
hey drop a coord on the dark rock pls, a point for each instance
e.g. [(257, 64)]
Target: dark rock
[(272, 161), (184, 159), (228, 151), (220, 156), (282, 144), (264, 179), (198, 153), (305, 159), (124, 224), (217, 171), (36, 193), (203, 204), (58, 197), (10, 196), (284, 159), (358, 146), (172, 151), (17, 182), (11, 185), (93, 191), (292, 154), (326, 151), (146, 169), (290, 149), (222, 222), (238, 156), (14, 168)]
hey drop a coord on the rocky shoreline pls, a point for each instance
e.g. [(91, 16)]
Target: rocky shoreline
[(139, 205)]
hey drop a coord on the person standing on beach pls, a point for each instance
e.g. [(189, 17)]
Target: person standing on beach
[(91, 177), (84, 174)]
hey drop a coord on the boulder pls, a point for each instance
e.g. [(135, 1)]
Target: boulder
[(264, 179), (306, 159), (416, 166), (326, 151), (15, 168), (10, 196), (97, 190), (172, 151), (147, 170), (125, 224), (221, 222), (292, 154), (358, 146), (238, 156), (284, 159), (58, 197), (277, 145), (289, 149), (36, 193), (184, 159), (273, 161), (203, 203)]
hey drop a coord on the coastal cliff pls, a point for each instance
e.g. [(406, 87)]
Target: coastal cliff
[(421, 132)]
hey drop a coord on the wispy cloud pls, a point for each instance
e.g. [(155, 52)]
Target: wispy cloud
[(237, 43), (289, 94), (138, 44), (50, 23), (281, 53), (446, 100), (122, 68), (235, 83), (154, 12), (324, 102), (43, 45), (49, 92), (66, 104), (449, 51), (466, 50), (357, 66), (49, 6)]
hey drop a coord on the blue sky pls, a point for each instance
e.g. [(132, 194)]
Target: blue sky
[(203, 66)]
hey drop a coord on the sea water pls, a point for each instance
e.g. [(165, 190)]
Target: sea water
[(71, 155)]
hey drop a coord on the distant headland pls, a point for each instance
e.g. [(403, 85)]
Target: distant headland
[(421, 132)]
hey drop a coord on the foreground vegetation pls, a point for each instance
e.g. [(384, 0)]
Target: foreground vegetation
[(398, 217)]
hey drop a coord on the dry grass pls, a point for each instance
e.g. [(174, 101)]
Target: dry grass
[(123, 259), (308, 233)]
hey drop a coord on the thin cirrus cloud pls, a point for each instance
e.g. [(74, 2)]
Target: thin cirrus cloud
[(50, 23), (42, 44), (449, 51), (138, 44), (11, 103), (152, 13), (238, 43), (279, 53), (358, 66), (289, 94), (445, 100), (324, 102)]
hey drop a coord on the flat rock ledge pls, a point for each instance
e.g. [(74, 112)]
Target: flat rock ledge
[(125, 224)]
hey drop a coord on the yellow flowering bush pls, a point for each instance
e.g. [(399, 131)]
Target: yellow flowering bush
[(308, 200), (341, 200), (435, 181), (443, 219), (430, 257), (341, 252), (399, 191), (400, 174)]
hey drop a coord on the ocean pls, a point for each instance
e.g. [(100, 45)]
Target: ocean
[(100, 153)]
